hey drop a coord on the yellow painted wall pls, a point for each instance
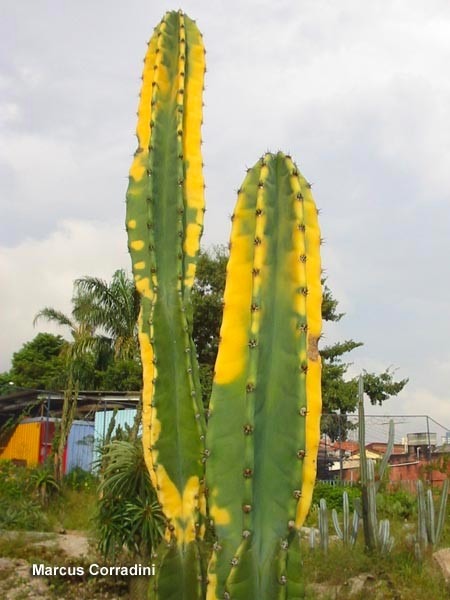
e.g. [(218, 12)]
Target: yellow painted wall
[(24, 444)]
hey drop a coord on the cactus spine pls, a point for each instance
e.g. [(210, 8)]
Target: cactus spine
[(164, 221), (264, 432)]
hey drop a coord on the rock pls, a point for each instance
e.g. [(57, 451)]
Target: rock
[(359, 583), (324, 590), (442, 557)]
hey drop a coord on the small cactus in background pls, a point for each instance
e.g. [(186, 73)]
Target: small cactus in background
[(323, 525), (429, 530), (264, 429), (376, 535), (347, 534), (164, 221)]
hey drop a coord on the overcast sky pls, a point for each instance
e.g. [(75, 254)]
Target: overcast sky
[(357, 91)]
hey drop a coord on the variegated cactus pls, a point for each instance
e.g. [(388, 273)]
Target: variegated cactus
[(264, 428), (263, 434), (165, 208)]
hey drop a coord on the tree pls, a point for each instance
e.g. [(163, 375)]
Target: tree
[(338, 393), (111, 310), (207, 303), (37, 365), (103, 327)]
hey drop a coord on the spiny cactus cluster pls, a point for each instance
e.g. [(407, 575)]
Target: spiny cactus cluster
[(258, 455)]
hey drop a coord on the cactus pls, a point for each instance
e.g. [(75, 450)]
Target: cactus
[(164, 222), (430, 531), (323, 525), (346, 534), (376, 535), (263, 432)]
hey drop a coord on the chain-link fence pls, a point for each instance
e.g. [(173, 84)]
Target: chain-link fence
[(421, 448), (29, 425)]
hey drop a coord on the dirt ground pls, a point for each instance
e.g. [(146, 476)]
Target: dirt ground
[(72, 548)]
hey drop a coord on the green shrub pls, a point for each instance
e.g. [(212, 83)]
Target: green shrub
[(79, 479), (20, 507), (333, 495), (399, 504)]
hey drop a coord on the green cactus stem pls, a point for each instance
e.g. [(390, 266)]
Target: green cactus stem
[(376, 535), (430, 531), (164, 221), (264, 429), (323, 525), (347, 533)]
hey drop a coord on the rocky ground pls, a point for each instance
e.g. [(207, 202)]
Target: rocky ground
[(74, 548), (71, 548)]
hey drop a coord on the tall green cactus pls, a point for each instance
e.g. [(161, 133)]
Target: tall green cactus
[(263, 432), (164, 221)]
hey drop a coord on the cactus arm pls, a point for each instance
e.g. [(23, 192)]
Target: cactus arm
[(337, 527), (347, 535), (431, 531), (193, 183), (387, 454), (346, 517), (422, 515), (164, 223), (355, 526), (323, 525), (266, 379), (312, 538), (442, 510)]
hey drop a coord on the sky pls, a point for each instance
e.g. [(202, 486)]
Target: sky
[(356, 90)]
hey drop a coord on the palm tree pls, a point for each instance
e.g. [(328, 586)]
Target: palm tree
[(112, 309), (103, 326), (103, 320), (128, 515)]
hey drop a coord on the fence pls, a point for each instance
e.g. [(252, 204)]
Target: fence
[(27, 432), (421, 448)]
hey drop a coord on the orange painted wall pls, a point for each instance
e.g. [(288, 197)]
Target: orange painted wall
[(24, 444)]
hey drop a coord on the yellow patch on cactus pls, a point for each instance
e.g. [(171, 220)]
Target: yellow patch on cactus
[(137, 245), (178, 508), (190, 275), (132, 224), (313, 381), (233, 348), (143, 287), (147, 395), (140, 266), (212, 578), (192, 240)]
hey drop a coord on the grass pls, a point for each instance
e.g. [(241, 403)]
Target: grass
[(74, 509), (396, 576), (399, 572)]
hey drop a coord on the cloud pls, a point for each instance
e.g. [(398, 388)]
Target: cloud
[(357, 92), (39, 273)]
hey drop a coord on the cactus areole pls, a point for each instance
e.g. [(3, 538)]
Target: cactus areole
[(264, 429)]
